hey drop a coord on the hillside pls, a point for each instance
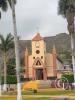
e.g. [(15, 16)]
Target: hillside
[(61, 42)]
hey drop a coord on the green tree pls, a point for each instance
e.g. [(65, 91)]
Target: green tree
[(3, 7), (11, 72), (6, 44), (11, 67), (67, 10)]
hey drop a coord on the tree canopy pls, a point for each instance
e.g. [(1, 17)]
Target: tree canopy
[(6, 43), (66, 5)]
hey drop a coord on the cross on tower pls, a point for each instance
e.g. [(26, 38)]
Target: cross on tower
[(37, 29)]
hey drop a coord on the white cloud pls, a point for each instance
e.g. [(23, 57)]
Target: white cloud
[(33, 13)]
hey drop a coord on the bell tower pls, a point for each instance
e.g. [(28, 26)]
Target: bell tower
[(38, 47), (38, 53)]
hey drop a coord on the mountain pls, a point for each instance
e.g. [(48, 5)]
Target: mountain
[(61, 42)]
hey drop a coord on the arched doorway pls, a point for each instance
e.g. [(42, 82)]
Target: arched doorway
[(39, 74), (39, 70)]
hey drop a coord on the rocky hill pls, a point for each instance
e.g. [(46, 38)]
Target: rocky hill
[(61, 42)]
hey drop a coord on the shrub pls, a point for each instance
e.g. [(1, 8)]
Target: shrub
[(69, 77)]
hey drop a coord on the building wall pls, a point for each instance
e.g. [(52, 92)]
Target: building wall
[(30, 60), (41, 49), (49, 64)]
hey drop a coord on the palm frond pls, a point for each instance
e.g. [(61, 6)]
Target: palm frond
[(6, 43), (65, 5), (2, 42), (9, 38), (3, 5), (9, 41)]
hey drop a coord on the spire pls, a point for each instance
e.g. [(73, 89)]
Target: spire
[(38, 37), (26, 51), (54, 49), (54, 61)]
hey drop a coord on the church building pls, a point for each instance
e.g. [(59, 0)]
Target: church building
[(41, 65)]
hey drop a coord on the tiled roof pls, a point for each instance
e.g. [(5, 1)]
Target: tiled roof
[(37, 37)]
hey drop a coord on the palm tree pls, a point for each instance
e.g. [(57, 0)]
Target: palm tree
[(66, 8), (12, 5), (3, 7), (6, 44)]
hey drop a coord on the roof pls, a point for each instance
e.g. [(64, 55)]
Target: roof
[(38, 37), (59, 60)]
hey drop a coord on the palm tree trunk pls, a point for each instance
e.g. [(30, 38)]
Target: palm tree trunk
[(0, 90), (0, 79), (19, 96), (5, 73), (73, 56)]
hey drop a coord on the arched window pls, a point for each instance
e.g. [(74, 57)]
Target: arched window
[(38, 63)]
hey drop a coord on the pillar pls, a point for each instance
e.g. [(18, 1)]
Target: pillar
[(33, 74), (54, 62), (26, 64), (44, 74)]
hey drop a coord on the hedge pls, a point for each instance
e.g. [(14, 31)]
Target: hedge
[(11, 79)]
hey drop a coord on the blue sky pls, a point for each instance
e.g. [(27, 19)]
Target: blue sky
[(33, 16)]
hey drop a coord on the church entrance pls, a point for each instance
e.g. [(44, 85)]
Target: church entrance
[(39, 74)]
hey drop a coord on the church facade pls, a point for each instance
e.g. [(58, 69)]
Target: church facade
[(41, 65)]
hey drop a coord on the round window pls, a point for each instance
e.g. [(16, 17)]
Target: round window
[(37, 51)]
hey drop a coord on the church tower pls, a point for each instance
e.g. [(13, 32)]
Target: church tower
[(38, 53), (38, 47)]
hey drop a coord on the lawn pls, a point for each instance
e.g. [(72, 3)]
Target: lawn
[(43, 92), (40, 95), (31, 98), (24, 98), (56, 92)]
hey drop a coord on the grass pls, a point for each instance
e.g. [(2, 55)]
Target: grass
[(43, 92), (59, 92), (24, 98), (29, 95), (29, 98)]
